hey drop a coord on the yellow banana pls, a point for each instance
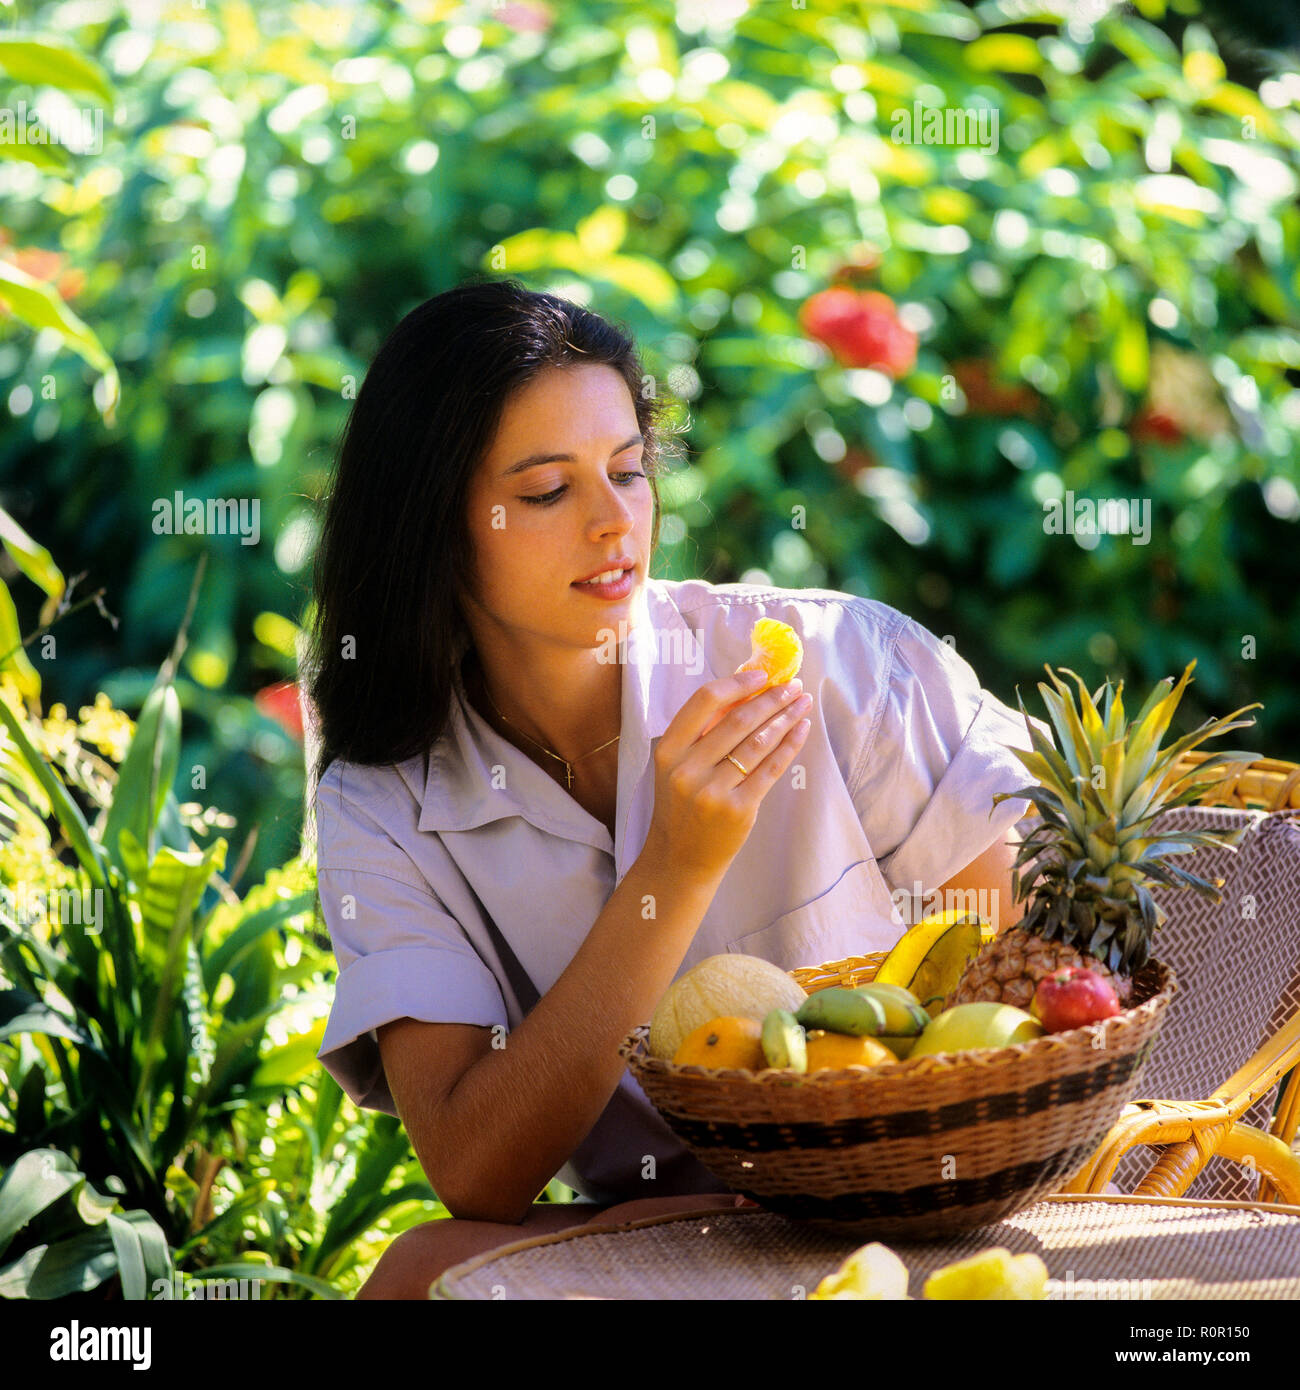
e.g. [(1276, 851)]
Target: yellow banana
[(930, 957), (916, 943)]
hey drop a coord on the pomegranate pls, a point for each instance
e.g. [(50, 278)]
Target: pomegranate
[(1072, 997)]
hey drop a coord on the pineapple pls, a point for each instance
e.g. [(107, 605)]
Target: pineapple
[(1091, 853)]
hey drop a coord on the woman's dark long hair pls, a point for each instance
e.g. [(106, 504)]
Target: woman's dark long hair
[(394, 546)]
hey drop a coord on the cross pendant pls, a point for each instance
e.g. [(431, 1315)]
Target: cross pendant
[(568, 777)]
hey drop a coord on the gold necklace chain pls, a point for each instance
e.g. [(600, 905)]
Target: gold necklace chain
[(568, 766)]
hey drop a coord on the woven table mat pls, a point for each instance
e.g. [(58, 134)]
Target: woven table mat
[(1109, 1249)]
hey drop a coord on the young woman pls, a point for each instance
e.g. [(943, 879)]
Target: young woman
[(540, 797)]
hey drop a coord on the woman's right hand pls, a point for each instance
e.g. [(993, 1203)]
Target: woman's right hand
[(705, 806)]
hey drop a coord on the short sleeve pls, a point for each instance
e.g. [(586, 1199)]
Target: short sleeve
[(941, 751), (400, 952)]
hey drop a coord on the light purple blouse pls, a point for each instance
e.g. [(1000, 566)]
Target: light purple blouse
[(458, 885)]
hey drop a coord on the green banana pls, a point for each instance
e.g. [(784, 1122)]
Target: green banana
[(904, 1016), (783, 1042), (843, 1011)]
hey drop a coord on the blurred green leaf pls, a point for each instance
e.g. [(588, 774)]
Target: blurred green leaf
[(1004, 53), (44, 61), (601, 234), (147, 772), (38, 305), (35, 562), (13, 658)]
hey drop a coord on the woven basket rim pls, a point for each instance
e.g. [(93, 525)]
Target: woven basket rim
[(1077, 1040)]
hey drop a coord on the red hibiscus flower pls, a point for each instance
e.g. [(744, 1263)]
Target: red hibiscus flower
[(280, 702), (861, 328)]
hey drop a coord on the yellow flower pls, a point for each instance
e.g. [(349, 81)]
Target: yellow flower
[(58, 734), (109, 729), (11, 695)]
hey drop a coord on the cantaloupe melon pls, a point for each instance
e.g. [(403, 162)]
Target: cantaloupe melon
[(728, 986)]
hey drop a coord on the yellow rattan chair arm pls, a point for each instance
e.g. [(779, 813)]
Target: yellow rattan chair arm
[(1190, 1134), (1283, 1127), (1144, 1122), (1095, 1174), (1258, 1075), (1177, 1167), (1262, 1154), (1195, 1129), (1192, 1131), (1287, 1119), (1278, 1167)]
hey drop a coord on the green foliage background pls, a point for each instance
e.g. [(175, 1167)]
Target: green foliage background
[(278, 186)]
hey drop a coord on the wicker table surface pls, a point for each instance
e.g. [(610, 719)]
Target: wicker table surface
[(1094, 1247)]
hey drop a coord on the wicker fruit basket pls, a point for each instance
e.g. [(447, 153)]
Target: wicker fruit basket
[(922, 1148)]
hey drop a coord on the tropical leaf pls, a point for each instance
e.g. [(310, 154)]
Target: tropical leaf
[(35, 562), (173, 885), (143, 1256), (34, 1182), (71, 821), (12, 656), (38, 305), (146, 774), (293, 1061), (44, 61)]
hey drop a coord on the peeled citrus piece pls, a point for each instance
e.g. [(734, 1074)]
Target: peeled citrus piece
[(776, 649), (874, 1273), (995, 1273)]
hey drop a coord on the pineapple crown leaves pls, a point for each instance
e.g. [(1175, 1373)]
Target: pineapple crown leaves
[(1091, 848)]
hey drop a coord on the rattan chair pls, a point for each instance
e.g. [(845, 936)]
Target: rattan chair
[(1233, 1031)]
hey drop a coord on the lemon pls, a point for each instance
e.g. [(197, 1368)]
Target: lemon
[(983, 1024), (992, 1274)]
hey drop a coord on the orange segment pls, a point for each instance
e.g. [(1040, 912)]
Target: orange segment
[(776, 649)]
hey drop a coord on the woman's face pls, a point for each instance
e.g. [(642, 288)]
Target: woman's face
[(537, 529)]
